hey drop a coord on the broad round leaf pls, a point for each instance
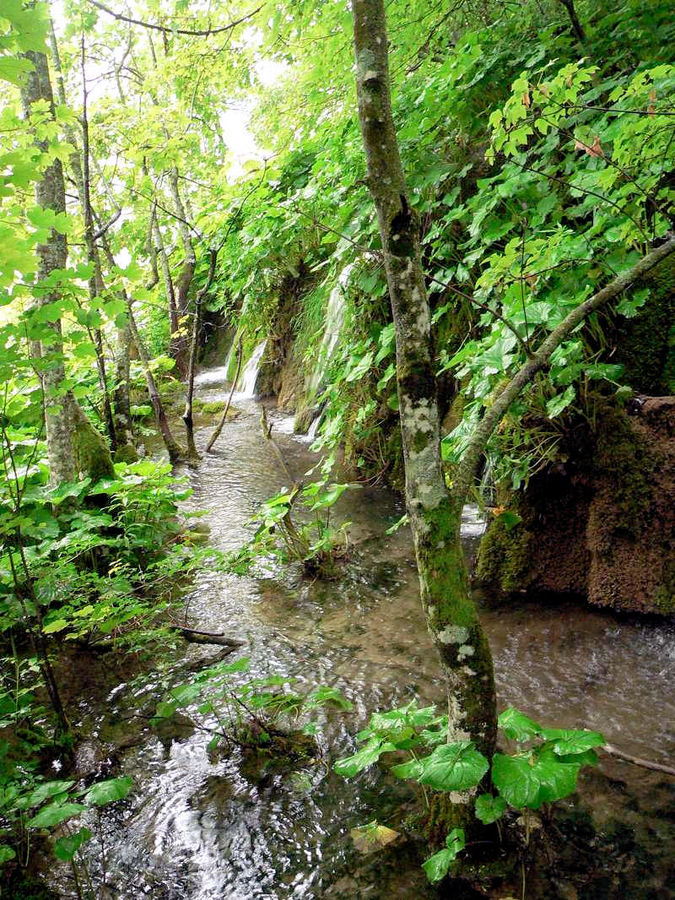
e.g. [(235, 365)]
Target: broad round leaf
[(489, 809), (518, 726), (54, 814), (453, 767), (108, 791), (65, 848)]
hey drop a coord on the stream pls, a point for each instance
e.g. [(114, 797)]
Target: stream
[(200, 830)]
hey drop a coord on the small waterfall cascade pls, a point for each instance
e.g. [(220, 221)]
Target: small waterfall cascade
[(314, 428), (333, 323), (249, 376)]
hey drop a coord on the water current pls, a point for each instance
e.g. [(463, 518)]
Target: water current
[(204, 830)]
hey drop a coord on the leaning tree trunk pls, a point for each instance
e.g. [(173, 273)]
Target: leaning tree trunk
[(435, 518), (174, 450)]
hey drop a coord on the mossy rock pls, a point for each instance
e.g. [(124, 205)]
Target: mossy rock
[(599, 524), (645, 343), (213, 407), (304, 418), (127, 453)]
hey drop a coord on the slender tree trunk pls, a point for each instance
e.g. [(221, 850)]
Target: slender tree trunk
[(121, 390), (194, 348), (166, 273), (219, 427), (180, 340), (577, 27), (173, 448), (435, 514), (435, 518), (96, 285), (79, 167)]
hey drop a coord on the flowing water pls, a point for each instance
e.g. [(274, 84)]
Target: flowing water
[(201, 830), (333, 319), (249, 377)]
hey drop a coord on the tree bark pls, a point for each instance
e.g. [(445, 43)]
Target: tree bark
[(435, 518), (179, 348), (192, 362), (73, 444), (173, 448)]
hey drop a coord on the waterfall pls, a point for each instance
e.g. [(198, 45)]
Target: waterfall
[(314, 428), (333, 323), (249, 376)]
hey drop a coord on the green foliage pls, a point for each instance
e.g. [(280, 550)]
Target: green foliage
[(316, 544), (438, 865), (542, 771), (30, 806), (246, 712)]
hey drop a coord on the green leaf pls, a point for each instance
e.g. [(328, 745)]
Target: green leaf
[(558, 779), (48, 790), (65, 848), (366, 756), (517, 726), (185, 694), (54, 814), (453, 767), (411, 769), (54, 626), (438, 865), (516, 781), (106, 792), (489, 809), (560, 402), (567, 742), (533, 780), (14, 69), (6, 853)]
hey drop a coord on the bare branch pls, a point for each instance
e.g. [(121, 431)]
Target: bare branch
[(165, 29)]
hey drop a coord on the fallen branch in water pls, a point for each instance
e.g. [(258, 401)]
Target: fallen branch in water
[(644, 763), (194, 636)]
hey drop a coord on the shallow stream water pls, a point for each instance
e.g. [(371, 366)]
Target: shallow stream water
[(201, 830)]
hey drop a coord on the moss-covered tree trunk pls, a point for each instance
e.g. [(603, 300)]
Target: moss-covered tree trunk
[(73, 444), (434, 515)]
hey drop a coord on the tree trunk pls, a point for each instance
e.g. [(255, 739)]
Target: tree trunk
[(68, 429), (192, 362), (96, 285), (435, 517), (179, 338), (577, 27), (173, 448)]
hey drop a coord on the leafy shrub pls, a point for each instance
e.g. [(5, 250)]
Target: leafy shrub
[(543, 770)]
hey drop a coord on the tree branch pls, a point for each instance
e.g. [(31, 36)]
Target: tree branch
[(165, 29), (472, 455)]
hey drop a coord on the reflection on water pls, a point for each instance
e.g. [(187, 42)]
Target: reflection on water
[(203, 830)]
